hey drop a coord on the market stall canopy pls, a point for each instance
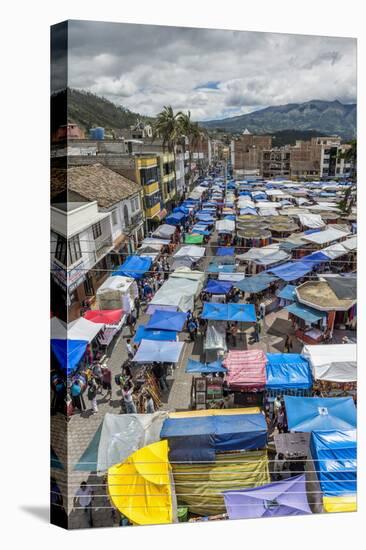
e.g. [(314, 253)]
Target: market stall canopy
[(333, 362), (266, 255), (255, 283), (327, 236), (198, 439), (244, 313), (308, 414), (253, 233), (151, 351), (105, 316), (68, 353), (308, 314), (82, 329), (175, 219), (282, 498), (193, 252), (178, 291), (350, 244), (310, 220), (117, 437), (291, 271), (143, 333), (225, 226), (192, 238), (246, 369), (204, 368), (140, 487), (232, 277), (214, 286), (287, 293), (134, 266), (335, 453), (58, 329), (345, 288), (152, 308), (167, 320), (225, 251), (334, 251), (216, 478), (320, 296), (287, 371)]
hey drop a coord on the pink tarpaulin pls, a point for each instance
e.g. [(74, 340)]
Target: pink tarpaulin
[(246, 370)]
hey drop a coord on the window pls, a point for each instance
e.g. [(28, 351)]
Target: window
[(74, 250), (97, 230), (114, 217), (125, 216), (61, 250)]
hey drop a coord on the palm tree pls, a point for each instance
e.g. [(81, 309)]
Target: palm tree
[(167, 127), (193, 132)]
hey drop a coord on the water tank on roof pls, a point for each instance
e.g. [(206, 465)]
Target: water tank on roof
[(97, 133)]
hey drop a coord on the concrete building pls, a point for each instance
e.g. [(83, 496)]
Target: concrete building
[(275, 163), (81, 240), (246, 152)]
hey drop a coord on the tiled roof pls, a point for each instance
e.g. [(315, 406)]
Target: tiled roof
[(96, 182)]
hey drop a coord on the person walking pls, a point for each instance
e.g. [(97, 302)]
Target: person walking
[(149, 403), (159, 373), (107, 382), (92, 395), (76, 396), (131, 322), (288, 344), (233, 333), (129, 349), (128, 399), (192, 328), (84, 498), (137, 306)]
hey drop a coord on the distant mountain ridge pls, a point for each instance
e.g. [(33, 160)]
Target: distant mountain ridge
[(325, 117)]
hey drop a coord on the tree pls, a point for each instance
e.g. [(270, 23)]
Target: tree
[(193, 132), (167, 126)]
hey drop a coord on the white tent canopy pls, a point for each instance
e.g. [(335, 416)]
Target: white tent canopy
[(164, 231), (326, 236), (332, 362), (117, 292), (191, 251), (350, 244), (82, 329), (179, 291), (334, 251), (124, 434), (266, 255), (313, 221), (58, 329), (225, 225)]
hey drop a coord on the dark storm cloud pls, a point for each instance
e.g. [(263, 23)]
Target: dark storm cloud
[(145, 67)]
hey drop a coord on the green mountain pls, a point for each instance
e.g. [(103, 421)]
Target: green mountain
[(89, 110), (323, 117)]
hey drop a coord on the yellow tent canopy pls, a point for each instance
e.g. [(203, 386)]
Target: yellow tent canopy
[(345, 503), (140, 487), (214, 412), (200, 486)]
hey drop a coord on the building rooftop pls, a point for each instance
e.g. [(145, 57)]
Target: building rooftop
[(94, 182)]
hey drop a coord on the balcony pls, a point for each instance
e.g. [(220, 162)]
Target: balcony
[(103, 245), (151, 188), (153, 211), (135, 221), (149, 162)]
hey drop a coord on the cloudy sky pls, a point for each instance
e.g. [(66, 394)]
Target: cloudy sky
[(213, 73)]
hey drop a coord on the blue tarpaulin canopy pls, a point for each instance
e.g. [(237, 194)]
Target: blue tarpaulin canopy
[(205, 218), (183, 209), (167, 320), (217, 268), (244, 313), (225, 251), (68, 353), (199, 438), (287, 293), (143, 333), (196, 366), (335, 453), (314, 259), (287, 371), (306, 313), (308, 414), (218, 287), (160, 351), (134, 266), (248, 211), (291, 270), (255, 283), (175, 219)]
